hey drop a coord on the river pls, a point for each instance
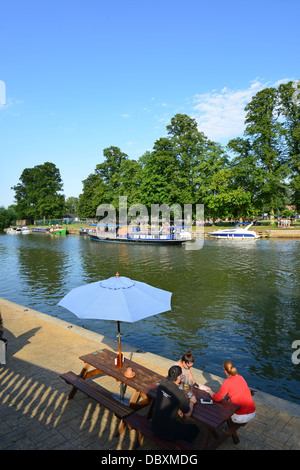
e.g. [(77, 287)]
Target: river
[(237, 300)]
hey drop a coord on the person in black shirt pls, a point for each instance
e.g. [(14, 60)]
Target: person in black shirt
[(170, 403)]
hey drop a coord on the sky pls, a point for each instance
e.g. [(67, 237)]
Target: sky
[(77, 76)]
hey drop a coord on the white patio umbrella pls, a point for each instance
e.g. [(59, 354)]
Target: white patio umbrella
[(118, 298)]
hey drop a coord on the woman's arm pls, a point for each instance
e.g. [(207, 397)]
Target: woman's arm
[(222, 392), (206, 389), (190, 376)]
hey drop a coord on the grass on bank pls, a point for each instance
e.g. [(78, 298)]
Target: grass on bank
[(264, 225)]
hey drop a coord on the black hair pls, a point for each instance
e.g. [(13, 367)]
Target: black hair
[(174, 372), (188, 357)]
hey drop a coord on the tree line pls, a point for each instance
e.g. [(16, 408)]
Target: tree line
[(259, 172)]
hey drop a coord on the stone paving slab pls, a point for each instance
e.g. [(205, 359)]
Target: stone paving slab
[(34, 412)]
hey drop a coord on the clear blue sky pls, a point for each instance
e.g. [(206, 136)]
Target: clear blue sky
[(81, 76)]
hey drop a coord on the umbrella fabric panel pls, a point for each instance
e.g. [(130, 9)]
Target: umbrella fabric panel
[(119, 299), (145, 301), (91, 301)]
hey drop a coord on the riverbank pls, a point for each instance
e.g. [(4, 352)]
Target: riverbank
[(36, 415), (264, 231)]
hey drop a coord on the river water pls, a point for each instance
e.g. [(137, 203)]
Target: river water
[(237, 300)]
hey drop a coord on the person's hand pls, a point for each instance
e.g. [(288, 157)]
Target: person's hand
[(193, 399), (180, 413), (206, 389)]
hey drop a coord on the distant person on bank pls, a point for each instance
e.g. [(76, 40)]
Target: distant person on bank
[(237, 390), (170, 403)]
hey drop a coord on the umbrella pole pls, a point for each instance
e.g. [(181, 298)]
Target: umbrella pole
[(120, 356)]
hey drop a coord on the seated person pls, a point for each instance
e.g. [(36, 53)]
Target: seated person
[(169, 403), (237, 390), (186, 363)]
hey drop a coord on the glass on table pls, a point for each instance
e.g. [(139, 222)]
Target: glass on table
[(187, 383)]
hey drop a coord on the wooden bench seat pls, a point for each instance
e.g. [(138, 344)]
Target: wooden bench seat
[(118, 408), (143, 428)]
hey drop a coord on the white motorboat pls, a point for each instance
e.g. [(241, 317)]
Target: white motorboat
[(14, 230), (21, 230), (237, 232)]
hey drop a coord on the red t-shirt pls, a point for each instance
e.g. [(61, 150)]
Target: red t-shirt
[(239, 393)]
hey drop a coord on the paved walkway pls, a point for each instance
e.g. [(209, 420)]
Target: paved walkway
[(34, 413)]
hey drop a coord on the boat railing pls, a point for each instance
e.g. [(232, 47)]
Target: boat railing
[(144, 233), (136, 235)]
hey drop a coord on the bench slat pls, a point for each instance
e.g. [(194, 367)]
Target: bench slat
[(93, 392), (143, 427)]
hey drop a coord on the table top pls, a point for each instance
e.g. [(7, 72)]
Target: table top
[(215, 414), (147, 381)]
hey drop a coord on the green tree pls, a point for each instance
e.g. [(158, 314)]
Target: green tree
[(186, 167), (130, 175), (105, 184), (109, 170), (188, 145), (289, 108), (72, 205), (265, 131), (94, 193), (212, 179), (38, 194), (226, 200), (109, 173), (295, 185), (7, 217), (246, 175), (159, 174)]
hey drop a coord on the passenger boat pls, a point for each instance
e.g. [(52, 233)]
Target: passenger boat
[(127, 234), (237, 232)]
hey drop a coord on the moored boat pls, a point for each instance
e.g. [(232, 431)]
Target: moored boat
[(87, 231), (127, 234), (237, 233), (13, 230), (40, 229), (16, 230), (58, 230)]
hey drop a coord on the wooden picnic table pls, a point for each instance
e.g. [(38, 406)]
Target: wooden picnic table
[(213, 416), (145, 384)]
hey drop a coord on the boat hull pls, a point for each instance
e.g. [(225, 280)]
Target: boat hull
[(18, 230), (13, 231), (40, 230), (87, 232), (141, 241), (234, 235), (58, 232)]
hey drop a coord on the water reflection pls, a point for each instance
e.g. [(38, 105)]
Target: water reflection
[(42, 265), (230, 300)]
